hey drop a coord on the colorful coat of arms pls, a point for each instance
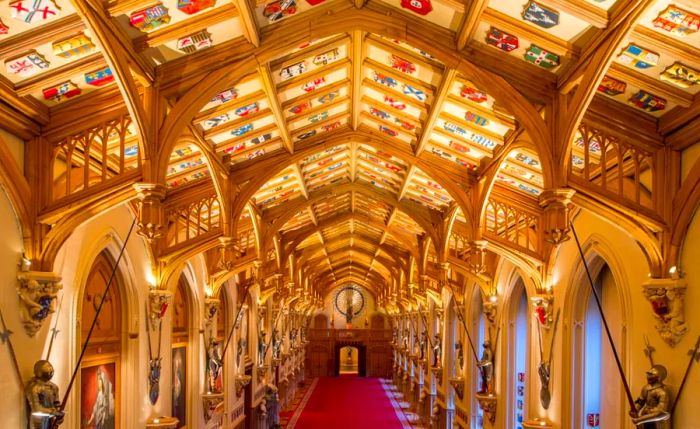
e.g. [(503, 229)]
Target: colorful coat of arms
[(33, 11), (66, 89), (326, 98), (193, 6), (99, 77), (225, 96), (638, 57), (681, 75), (326, 57), (312, 85), (216, 121), (379, 113), (278, 9), (293, 70), (150, 18), (388, 131), (263, 138), (540, 15), (242, 130), (502, 40), (396, 104), (421, 7), (415, 93), (384, 80), (647, 101), (472, 94), (194, 42), (248, 109), (677, 21), (611, 86), (538, 56), (331, 126), (297, 109), (73, 46), (405, 124), (27, 65), (402, 65), (459, 147), (318, 117), (476, 119)]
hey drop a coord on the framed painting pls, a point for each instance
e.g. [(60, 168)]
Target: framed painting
[(99, 393), (179, 386)]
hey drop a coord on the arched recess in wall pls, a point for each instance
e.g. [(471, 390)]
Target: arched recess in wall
[(452, 341), (518, 341), (320, 321), (597, 392), (477, 326), (100, 384), (182, 308)]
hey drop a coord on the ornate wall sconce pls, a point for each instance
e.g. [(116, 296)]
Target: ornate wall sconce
[(37, 298)]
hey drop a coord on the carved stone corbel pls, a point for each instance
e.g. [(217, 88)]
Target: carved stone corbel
[(457, 384), (487, 403), (490, 306), (229, 251), (158, 302), (151, 217), (262, 371), (37, 293), (543, 306), (555, 204), (667, 299), (213, 404), (241, 382)]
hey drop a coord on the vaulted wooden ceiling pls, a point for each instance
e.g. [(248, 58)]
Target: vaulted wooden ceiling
[(351, 211)]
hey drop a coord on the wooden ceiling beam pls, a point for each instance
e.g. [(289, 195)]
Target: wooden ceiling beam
[(581, 9), (656, 86), (28, 107), (271, 92), (435, 109), (246, 14), (472, 17), (357, 60), (46, 33), (60, 74)]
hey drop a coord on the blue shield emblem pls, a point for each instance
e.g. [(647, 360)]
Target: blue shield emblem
[(540, 15)]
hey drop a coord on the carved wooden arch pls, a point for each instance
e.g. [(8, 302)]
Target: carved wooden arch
[(392, 261), (338, 219), (415, 212), (62, 230), (370, 282), (385, 22), (488, 180), (685, 206), (269, 170), (19, 193)]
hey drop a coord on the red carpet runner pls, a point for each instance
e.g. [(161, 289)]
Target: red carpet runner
[(347, 402)]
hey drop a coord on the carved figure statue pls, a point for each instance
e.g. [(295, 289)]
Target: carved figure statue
[(276, 345), (42, 395), (262, 348), (38, 302), (423, 344), (214, 366), (240, 350), (486, 368), (416, 344), (405, 342), (654, 401), (437, 350), (667, 304), (460, 355)]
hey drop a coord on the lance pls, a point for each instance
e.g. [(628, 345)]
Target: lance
[(415, 328), (649, 350), (94, 319), (630, 399), (54, 330), (235, 321), (694, 356), (272, 336), (461, 316), (5, 337)]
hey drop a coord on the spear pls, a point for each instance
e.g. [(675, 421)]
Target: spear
[(5, 337), (694, 356), (274, 327), (235, 321), (649, 350), (54, 330), (460, 316)]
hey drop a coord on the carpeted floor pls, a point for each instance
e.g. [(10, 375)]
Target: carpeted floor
[(347, 402)]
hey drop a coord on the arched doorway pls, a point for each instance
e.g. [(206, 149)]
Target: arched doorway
[(349, 360), (518, 342), (361, 357), (100, 385)]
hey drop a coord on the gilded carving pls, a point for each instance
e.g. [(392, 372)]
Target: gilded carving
[(667, 299), (37, 298)]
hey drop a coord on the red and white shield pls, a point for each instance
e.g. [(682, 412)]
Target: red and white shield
[(421, 7)]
